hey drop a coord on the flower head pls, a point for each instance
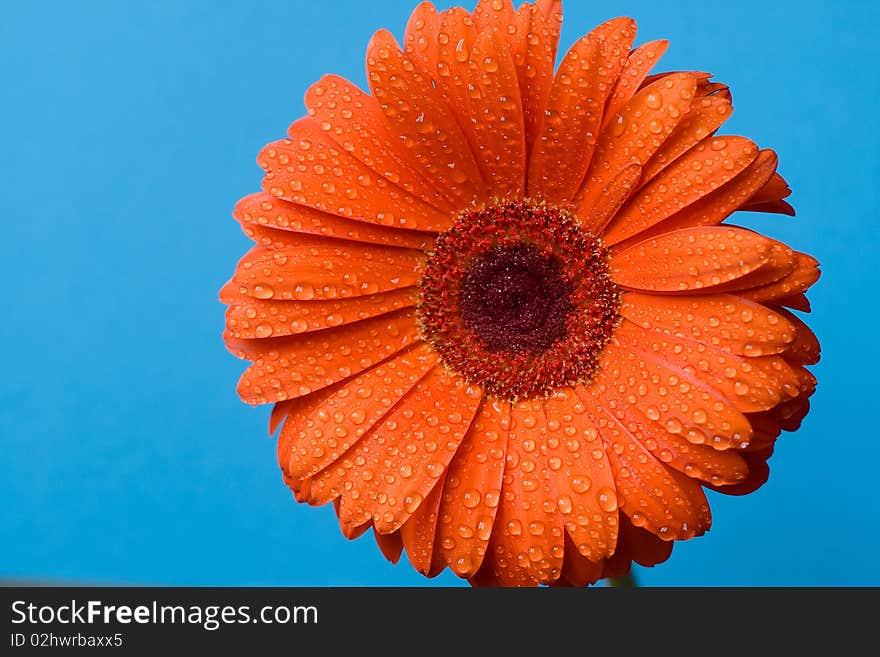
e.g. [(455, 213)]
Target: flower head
[(498, 310)]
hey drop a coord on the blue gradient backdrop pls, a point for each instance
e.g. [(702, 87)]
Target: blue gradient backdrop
[(127, 132)]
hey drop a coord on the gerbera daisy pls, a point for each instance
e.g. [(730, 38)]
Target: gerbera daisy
[(498, 310)]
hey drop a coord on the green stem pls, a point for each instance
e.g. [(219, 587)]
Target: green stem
[(628, 581)]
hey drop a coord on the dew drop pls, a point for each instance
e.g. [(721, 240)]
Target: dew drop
[(412, 502), (607, 499), (471, 498), (304, 292), (580, 483), (263, 292)]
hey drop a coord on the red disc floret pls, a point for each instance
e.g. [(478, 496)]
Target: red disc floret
[(518, 299)]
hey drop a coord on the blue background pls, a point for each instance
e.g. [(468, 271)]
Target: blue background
[(127, 132)]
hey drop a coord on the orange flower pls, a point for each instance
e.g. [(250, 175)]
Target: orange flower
[(497, 311)]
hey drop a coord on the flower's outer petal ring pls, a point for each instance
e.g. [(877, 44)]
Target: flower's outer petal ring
[(419, 533), (353, 120), (636, 133), (249, 319), (473, 490), (534, 46), (388, 473), (638, 65), (653, 496), (310, 169), (718, 205), (415, 112), (317, 268), (329, 423), (574, 112), (690, 260), (583, 481), (286, 368), (496, 111), (723, 321), (533, 530), (704, 118), (703, 169), (262, 210)]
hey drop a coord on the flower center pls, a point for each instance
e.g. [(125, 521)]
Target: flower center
[(517, 299)]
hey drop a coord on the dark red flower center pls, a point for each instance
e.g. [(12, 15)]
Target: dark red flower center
[(517, 298)]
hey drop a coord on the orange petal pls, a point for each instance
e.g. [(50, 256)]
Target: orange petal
[(300, 489), (759, 473), (670, 447), (264, 210), (275, 239), (772, 207), (701, 77), (319, 268), (354, 121), (805, 349), (781, 261), (582, 479), (420, 41), (534, 47), (272, 239), (714, 208), (309, 169), (351, 532), (574, 111), (748, 384), (703, 169), (643, 547), (419, 533), (638, 65), (636, 133), (280, 411), (613, 196), (496, 111), (388, 473), (502, 565), (390, 545), (789, 415), (252, 318), (473, 490), (795, 302), (551, 9), (416, 114), (495, 15), (286, 368), (455, 40), (773, 191), (577, 570), (704, 118), (723, 321), (533, 533), (800, 280), (677, 399), (664, 409), (690, 259), (327, 425), (652, 495), (618, 565), (715, 89)]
